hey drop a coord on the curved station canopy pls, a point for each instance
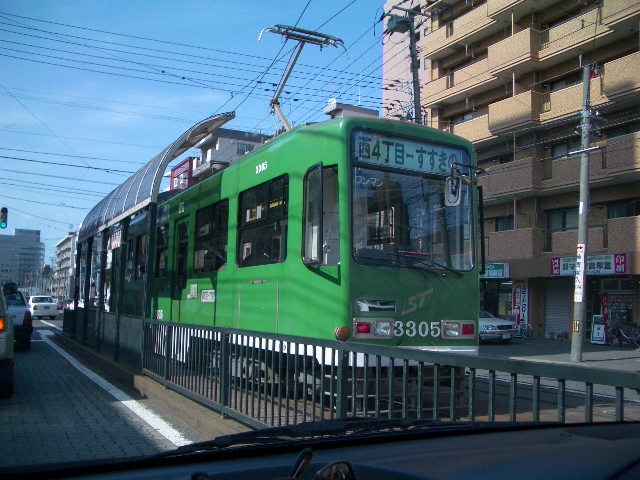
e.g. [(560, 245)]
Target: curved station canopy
[(142, 188)]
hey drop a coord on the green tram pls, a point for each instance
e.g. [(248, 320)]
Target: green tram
[(335, 230)]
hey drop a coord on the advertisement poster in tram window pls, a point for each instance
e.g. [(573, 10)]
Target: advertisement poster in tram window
[(520, 301)]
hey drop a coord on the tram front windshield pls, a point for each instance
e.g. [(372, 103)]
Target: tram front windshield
[(400, 219)]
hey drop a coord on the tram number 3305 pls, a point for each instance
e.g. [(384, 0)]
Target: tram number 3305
[(411, 329)]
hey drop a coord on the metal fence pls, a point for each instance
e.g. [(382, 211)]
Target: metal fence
[(117, 335), (275, 380)]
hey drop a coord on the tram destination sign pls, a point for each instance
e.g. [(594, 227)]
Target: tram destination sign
[(388, 150)]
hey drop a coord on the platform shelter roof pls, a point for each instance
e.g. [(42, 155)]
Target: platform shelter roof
[(142, 188)]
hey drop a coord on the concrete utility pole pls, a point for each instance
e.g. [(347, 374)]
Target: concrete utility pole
[(402, 25), (580, 293)]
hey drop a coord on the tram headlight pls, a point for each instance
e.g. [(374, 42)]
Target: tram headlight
[(383, 329), (451, 329)]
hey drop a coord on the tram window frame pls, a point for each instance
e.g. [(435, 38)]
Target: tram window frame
[(321, 214), (162, 250), (263, 223), (211, 237)]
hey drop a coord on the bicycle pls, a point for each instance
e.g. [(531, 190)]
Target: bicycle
[(525, 330), (623, 332)]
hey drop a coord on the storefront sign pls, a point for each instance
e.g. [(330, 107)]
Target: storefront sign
[(115, 239), (520, 301), (610, 264), (598, 335), (495, 270)]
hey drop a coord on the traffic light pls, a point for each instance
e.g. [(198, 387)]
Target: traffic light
[(4, 213)]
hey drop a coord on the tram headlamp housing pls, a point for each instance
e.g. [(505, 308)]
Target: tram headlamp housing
[(461, 329), (373, 328), (342, 333)]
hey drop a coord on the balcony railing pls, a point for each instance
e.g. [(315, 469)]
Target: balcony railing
[(521, 243), (564, 242), (475, 130), (516, 52), (515, 112), (572, 33), (522, 175)]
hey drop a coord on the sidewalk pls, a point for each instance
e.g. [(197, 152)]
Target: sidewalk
[(612, 357)]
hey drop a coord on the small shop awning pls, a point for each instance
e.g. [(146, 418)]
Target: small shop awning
[(142, 187)]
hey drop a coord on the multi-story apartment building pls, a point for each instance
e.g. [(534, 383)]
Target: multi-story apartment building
[(22, 257), (507, 75), (221, 148), (62, 285)]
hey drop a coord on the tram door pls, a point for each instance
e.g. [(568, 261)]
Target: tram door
[(179, 284)]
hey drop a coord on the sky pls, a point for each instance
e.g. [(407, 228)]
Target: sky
[(91, 90)]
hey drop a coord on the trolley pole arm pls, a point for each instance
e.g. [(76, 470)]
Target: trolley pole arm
[(274, 102)]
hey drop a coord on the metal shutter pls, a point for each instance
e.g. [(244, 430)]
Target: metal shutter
[(556, 311)]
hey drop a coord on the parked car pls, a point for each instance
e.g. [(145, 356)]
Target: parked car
[(496, 329), (60, 305), (18, 310), (42, 306), (6, 349)]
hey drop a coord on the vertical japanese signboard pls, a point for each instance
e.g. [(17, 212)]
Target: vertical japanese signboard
[(520, 301)]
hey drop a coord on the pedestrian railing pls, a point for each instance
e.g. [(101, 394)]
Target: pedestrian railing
[(264, 379)]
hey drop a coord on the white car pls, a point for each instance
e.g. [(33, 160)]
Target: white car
[(496, 329), (43, 306)]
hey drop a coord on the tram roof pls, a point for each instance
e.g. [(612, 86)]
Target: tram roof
[(142, 188)]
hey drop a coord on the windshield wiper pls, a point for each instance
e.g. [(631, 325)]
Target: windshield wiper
[(326, 429), (436, 264)]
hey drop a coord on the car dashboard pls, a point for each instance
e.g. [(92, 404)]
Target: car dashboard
[(595, 451)]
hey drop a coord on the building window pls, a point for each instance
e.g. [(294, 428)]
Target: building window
[(626, 130), (506, 158), (561, 220), (565, 147), (504, 223), (463, 117), (567, 81), (243, 148), (262, 226), (626, 208), (210, 250)]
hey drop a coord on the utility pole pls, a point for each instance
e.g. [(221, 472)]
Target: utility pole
[(579, 310), (402, 25)]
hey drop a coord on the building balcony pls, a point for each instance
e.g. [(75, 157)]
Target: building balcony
[(564, 173), (520, 176), (622, 76), (474, 130), (515, 112), (624, 234), (472, 26), (460, 84), (514, 244), (517, 53), (564, 39), (565, 242), (622, 14), (622, 155), (502, 9)]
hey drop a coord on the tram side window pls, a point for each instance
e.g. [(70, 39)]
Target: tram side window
[(210, 252), (183, 252), (162, 250), (141, 256), (129, 265), (263, 223), (323, 250)]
